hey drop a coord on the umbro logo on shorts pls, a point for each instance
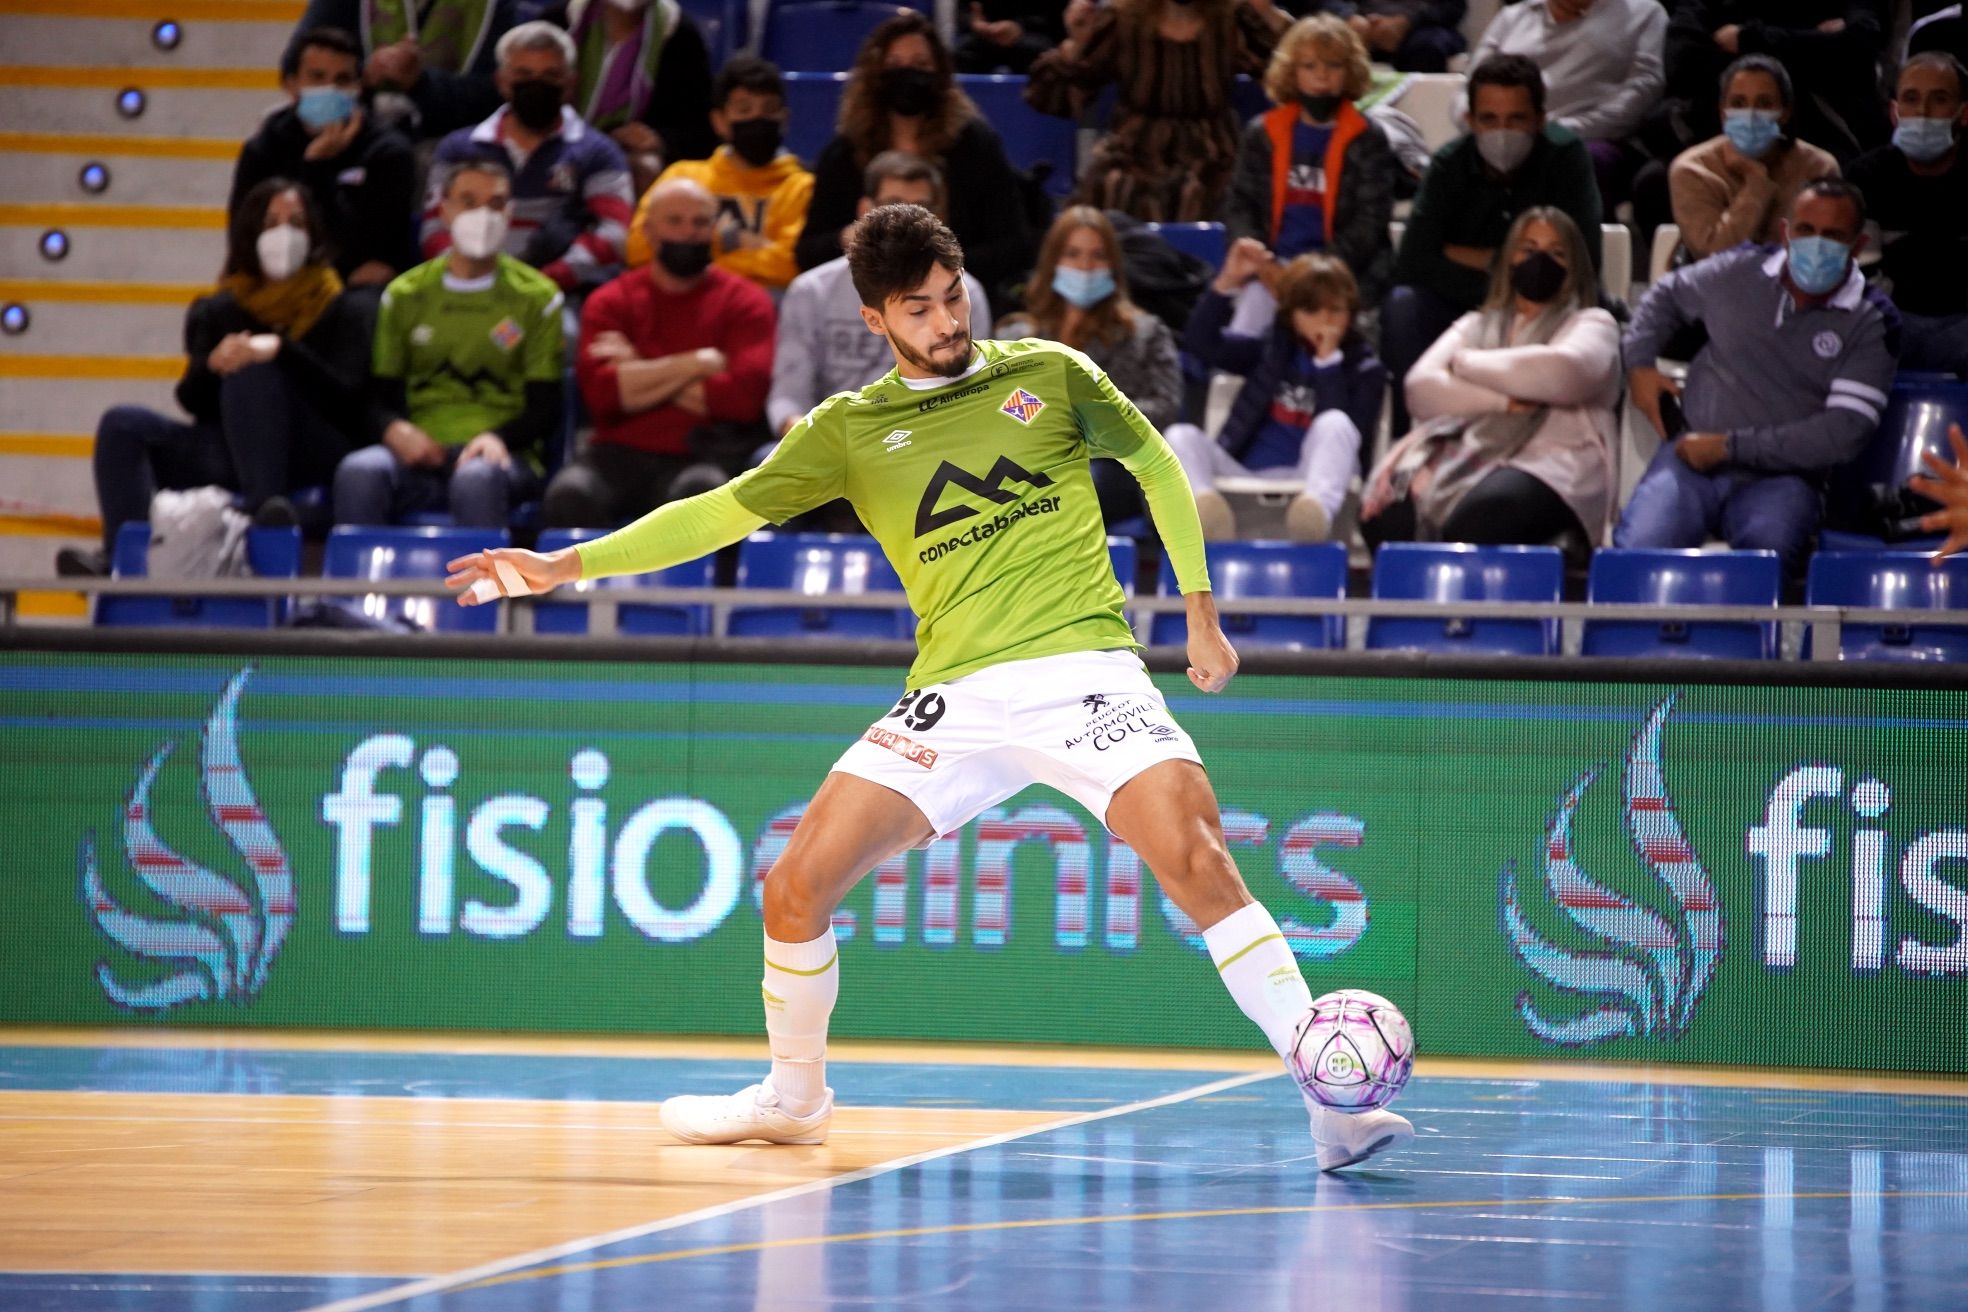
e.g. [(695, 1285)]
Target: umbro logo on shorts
[(906, 748), (991, 487)]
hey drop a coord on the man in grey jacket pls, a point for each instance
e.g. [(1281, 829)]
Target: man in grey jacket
[(822, 346), (1791, 384)]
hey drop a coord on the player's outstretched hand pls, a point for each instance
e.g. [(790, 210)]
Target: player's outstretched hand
[(509, 572), (1212, 660), (1949, 486)]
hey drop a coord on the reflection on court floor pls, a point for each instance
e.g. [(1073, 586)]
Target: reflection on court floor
[(1005, 1186)]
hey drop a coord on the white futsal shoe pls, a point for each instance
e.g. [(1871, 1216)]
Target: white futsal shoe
[(751, 1113), (1348, 1139)]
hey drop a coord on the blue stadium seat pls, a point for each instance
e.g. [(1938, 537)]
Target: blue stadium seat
[(1900, 580), (1914, 422), (1454, 571), (274, 553), (823, 35), (1127, 561), (722, 23), (1683, 578), (363, 552), (1029, 137), (639, 619), (820, 565), (1205, 241), (1265, 569), (812, 109)]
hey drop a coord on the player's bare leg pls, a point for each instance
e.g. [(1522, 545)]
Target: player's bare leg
[(850, 827), (1168, 815)]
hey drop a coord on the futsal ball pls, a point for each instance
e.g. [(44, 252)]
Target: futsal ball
[(1353, 1051)]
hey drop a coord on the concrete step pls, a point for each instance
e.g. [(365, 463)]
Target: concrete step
[(69, 404), (138, 247), (225, 34), (63, 484), (51, 177), (59, 325), (168, 111)]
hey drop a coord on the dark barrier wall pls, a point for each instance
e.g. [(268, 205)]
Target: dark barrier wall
[(1676, 871)]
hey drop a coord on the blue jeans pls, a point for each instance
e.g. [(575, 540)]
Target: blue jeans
[(140, 452), (374, 487), (1674, 506)]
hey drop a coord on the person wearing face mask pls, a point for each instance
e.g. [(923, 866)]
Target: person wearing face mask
[(571, 202), (362, 177), (1170, 147), (762, 190), (277, 363), (902, 95), (1315, 174), (1515, 407), (1510, 160), (1078, 296), (467, 373), (427, 64), (674, 363), (1791, 384), (1738, 186), (1917, 191)]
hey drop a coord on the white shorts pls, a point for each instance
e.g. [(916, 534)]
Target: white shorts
[(1084, 723)]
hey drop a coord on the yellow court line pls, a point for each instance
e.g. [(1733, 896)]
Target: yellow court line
[(167, 367), (64, 446), (69, 214), (145, 78), (181, 11), (1128, 1218), (109, 143), (49, 290)]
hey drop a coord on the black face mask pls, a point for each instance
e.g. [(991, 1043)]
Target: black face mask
[(1537, 277), (684, 259), (536, 104), (756, 140), (908, 91), (1321, 108)]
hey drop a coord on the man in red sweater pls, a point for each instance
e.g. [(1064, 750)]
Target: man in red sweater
[(675, 364)]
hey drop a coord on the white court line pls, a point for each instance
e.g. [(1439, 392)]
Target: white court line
[(438, 1284)]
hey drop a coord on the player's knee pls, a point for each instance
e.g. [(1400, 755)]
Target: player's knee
[(795, 911)]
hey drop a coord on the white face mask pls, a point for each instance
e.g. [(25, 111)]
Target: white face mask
[(479, 233), (282, 251), (1504, 149)]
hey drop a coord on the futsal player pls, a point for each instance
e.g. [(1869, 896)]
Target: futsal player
[(968, 463)]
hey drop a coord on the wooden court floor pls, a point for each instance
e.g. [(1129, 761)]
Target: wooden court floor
[(221, 1170)]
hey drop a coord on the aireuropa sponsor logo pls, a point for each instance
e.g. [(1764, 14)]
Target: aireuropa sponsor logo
[(221, 935)]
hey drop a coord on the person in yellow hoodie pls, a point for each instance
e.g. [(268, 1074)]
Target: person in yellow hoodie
[(761, 190)]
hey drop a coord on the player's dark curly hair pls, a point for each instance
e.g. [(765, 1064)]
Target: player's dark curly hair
[(891, 249)]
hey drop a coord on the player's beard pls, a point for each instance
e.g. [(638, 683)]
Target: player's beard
[(942, 368)]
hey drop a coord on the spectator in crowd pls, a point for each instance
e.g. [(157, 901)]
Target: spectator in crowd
[(1169, 149), (1517, 408), (1917, 190), (1831, 49), (467, 365), (642, 75), (1311, 395), (1415, 36), (1315, 174), (1601, 61), (278, 358), (1475, 187), (570, 186), (823, 346), (1790, 385), (902, 95), (1947, 484), (1737, 186), (674, 364), (762, 190), (429, 64), (362, 177), (1005, 36), (1078, 295)]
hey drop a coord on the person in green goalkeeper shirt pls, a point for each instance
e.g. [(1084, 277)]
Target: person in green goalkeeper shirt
[(969, 464), (466, 374)]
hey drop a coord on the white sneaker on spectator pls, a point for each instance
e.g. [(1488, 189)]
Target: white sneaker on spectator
[(1307, 521), (1218, 520), (1345, 1139), (751, 1113)]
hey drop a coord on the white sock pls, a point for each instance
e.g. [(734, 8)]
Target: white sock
[(1258, 968), (800, 985)]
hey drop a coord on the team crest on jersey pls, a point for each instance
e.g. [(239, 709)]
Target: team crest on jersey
[(506, 334), (1022, 405)]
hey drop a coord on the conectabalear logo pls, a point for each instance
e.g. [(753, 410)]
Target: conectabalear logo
[(1648, 981), (223, 937)]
